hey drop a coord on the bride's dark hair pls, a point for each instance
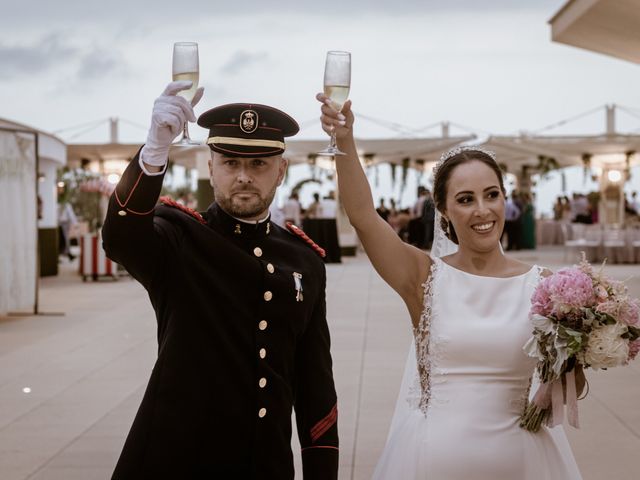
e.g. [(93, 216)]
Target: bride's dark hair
[(441, 180)]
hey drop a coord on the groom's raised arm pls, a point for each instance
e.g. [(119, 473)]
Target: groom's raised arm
[(316, 401), (130, 235)]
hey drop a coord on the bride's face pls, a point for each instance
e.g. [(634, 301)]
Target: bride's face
[(475, 206)]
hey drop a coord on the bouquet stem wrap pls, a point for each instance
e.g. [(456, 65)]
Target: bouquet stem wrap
[(547, 405), (572, 400)]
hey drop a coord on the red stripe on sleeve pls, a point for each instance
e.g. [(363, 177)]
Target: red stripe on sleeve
[(325, 424)]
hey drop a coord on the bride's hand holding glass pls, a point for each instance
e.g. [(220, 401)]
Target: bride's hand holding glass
[(335, 122)]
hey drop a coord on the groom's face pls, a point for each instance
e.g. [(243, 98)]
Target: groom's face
[(475, 206), (244, 187)]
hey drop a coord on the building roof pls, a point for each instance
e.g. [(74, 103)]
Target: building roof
[(603, 26)]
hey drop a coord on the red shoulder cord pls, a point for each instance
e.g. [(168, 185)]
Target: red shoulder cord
[(298, 231), (170, 202)]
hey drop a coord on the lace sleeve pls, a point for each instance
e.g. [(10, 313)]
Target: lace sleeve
[(422, 339)]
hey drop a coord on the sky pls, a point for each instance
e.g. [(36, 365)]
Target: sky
[(488, 66)]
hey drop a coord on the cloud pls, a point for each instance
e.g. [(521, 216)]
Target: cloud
[(101, 63), (49, 52), (242, 60)]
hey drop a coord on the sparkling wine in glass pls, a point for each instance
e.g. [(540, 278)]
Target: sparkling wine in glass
[(337, 81), (186, 66)]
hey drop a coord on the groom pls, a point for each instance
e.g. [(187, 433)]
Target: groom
[(240, 306)]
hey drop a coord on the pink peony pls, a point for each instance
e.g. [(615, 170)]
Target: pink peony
[(634, 348), (541, 300), (566, 290)]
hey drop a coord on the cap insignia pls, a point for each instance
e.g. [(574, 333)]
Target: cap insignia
[(249, 121)]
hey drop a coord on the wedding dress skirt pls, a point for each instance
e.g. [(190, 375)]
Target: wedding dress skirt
[(466, 384)]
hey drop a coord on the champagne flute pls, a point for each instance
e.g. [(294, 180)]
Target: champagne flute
[(337, 81), (186, 66)]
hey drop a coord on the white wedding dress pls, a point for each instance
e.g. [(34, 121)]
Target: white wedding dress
[(463, 392)]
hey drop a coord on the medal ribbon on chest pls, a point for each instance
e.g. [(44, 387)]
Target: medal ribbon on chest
[(297, 280)]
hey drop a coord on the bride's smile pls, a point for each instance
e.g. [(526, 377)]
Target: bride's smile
[(475, 206)]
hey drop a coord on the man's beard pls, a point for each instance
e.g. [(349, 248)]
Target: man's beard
[(244, 209)]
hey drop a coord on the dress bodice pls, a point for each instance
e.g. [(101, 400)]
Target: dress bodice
[(470, 338)]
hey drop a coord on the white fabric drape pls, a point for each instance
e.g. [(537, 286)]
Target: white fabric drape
[(18, 231)]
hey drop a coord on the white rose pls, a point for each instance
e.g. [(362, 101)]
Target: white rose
[(606, 348)]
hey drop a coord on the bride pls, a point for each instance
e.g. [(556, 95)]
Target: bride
[(467, 378)]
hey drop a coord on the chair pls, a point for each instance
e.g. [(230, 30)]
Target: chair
[(635, 243), (614, 243), (582, 238)]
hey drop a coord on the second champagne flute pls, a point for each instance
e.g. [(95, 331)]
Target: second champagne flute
[(186, 66), (337, 82)]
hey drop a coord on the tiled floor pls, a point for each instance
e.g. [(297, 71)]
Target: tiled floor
[(87, 371)]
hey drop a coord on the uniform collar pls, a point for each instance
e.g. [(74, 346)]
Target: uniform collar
[(217, 217)]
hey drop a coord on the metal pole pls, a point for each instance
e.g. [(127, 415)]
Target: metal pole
[(611, 119), (37, 294)]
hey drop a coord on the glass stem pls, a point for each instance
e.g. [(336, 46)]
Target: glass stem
[(185, 131), (333, 140)]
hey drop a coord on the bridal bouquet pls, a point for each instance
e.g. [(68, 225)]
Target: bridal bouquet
[(581, 319)]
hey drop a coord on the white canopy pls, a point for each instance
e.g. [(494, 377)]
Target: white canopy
[(394, 150), (567, 151)]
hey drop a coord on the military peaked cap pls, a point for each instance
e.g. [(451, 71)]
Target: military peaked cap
[(247, 129)]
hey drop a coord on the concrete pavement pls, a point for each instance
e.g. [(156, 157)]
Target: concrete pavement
[(70, 385)]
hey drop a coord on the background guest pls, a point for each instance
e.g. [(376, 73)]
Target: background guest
[(416, 225), (383, 211), (292, 210), (512, 221), (528, 222), (328, 206), (314, 210)]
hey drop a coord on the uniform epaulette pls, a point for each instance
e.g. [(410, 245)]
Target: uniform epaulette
[(170, 202), (298, 232)]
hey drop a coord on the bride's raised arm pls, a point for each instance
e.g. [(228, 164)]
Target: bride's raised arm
[(402, 266)]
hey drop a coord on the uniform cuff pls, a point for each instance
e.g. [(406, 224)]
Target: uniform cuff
[(320, 463), (143, 166)]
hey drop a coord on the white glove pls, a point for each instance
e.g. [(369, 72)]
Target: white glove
[(170, 112)]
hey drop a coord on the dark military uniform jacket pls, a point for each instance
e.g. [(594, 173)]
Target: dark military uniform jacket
[(242, 339)]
